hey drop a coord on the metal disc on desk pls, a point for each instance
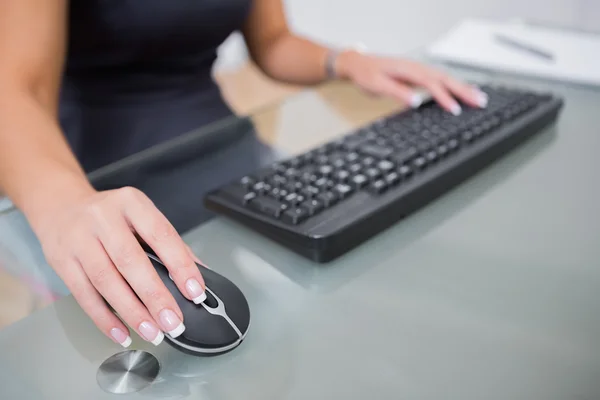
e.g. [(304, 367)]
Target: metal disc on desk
[(128, 372)]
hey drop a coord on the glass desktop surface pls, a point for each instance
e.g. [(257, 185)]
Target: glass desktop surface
[(490, 292)]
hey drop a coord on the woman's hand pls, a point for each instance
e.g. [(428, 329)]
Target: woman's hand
[(397, 78), (92, 245)]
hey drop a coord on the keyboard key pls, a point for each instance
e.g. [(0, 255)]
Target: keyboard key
[(279, 168), (352, 157), (453, 144), (355, 168), (326, 170), (295, 216), (321, 182), (293, 187), (392, 178), (342, 190), (292, 198), (359, 181), (309, 178), (356, 142), (431, 156), (268, 206), (261, 187), (312, 206), (247, 182), (292, 173), (322, 159), (405, 156), (278, 180), (423, 146), (442, 150), (295, 162), (342, 175), (328, 198), (248, 197), (339, 163), (371, 135), (419, 163), (495, 122), (368, 161), (467, 136), (373, 173), (404, 171), (376, 151), (378, 187), (275, 193), (310, 191), (385, 166)]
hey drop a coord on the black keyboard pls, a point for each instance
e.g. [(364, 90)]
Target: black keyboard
[(327, 201)]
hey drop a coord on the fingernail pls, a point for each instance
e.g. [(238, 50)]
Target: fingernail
[(416, 100), (482, 99), (455, 109), (171, 323), (151, 333), (121, 337), (195, 291)]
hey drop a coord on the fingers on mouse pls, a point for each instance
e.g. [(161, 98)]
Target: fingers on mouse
[(217, 324)]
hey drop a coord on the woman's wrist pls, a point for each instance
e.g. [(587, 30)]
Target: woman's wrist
[(64, 189), (342, 61)]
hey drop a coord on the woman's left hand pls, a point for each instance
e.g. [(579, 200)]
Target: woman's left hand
[(398, 78)]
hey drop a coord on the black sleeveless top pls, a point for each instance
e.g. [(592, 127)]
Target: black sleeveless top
[(139, 72)]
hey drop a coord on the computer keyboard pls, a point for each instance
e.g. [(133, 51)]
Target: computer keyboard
[(329, 200)]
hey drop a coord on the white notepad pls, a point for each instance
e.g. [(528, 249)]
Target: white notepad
[(473, 42)]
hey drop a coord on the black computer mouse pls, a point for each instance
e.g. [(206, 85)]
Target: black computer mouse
[(215, 326)]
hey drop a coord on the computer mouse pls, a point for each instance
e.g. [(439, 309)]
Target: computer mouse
[(215, 326)]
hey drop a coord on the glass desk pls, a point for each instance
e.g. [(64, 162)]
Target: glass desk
[(491, 292)]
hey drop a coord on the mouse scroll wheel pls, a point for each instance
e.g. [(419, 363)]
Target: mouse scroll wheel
[(210, 300)]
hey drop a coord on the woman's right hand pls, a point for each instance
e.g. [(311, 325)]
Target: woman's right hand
[(91, 243)]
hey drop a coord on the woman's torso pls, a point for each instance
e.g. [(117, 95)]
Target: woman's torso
[(139, 72)]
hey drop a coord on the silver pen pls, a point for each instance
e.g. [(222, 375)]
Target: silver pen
[(525, 47)]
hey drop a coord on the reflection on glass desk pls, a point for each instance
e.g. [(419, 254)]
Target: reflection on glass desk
[(491, 292)]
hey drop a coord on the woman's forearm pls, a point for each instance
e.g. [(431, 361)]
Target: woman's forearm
[(293, 59), (37, 168)]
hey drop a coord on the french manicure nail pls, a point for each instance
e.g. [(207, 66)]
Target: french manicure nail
[(195, 291), (171, 323), (482, 99), (121, 337), (455, 109), (416, 100), (151, 333)]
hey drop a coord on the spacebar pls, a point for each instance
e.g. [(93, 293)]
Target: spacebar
[(268, 206)]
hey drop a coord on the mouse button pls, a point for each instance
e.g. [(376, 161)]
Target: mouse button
[(207, 330), (236, 306), (210, 300)]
